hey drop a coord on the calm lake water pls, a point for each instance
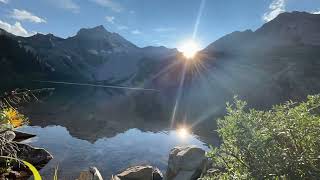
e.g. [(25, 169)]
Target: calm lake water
[(84, 127)]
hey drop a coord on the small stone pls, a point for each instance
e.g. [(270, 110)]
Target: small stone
[(139, 173), (9, 135)]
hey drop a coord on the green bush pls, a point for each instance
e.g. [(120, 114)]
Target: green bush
[(282, 143)]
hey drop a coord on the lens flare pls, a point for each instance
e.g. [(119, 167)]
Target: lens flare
[(183, 132), (189, 48)]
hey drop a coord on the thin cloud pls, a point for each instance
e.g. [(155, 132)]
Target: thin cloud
[(122, 27), (110, 19), (4, 1), (69, 5), (15, 29), (116, 7), (276, 7), (24, 15), (136, 32), (161, 29)]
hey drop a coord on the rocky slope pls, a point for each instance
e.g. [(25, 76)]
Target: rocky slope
[(288, 29), (92, 54)]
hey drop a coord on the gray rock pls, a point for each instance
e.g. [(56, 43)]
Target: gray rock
[(139, 173), (184, 175), (36, 156), (9, 135), (186, 163)]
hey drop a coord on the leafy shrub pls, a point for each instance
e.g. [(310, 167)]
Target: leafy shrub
[(282, 143)]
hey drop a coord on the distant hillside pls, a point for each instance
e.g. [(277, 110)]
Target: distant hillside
[(275, 63), (288, 29), (92, 54), (17, 63)]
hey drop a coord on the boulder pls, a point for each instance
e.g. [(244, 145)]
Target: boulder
[(139, 173), (38, 157), (186, 163)]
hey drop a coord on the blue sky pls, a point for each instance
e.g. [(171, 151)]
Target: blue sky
[(145, 22)]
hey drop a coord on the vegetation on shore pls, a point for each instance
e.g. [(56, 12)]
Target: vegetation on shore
[(282, 143), (10, 119)]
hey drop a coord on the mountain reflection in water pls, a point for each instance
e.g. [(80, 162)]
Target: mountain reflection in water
[(85, 127)]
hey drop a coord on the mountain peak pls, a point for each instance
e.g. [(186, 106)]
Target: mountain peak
[(95, 30), (99, 28), (294, 13), (295, 23)]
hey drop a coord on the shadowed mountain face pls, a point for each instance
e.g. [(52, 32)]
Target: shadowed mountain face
[(16, 62), (288, 29), (92, 54)]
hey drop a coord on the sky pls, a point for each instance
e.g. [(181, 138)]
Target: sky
[(146, 22)]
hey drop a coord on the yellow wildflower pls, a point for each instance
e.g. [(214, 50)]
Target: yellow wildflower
[(13, 117)]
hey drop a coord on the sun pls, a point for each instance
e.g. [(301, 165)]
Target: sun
[(182, 132), (189, 48)]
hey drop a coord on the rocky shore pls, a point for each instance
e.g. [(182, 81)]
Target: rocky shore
[(38, 157), (184, 163)]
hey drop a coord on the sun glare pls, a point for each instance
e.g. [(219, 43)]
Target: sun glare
[(189, 48), (182, 132)]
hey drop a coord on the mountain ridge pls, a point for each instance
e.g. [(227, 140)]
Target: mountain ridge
[(288, 28), (81, 56)]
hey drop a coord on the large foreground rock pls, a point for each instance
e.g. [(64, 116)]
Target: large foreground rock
[(186, 163), (38, 157), (139, 173)]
